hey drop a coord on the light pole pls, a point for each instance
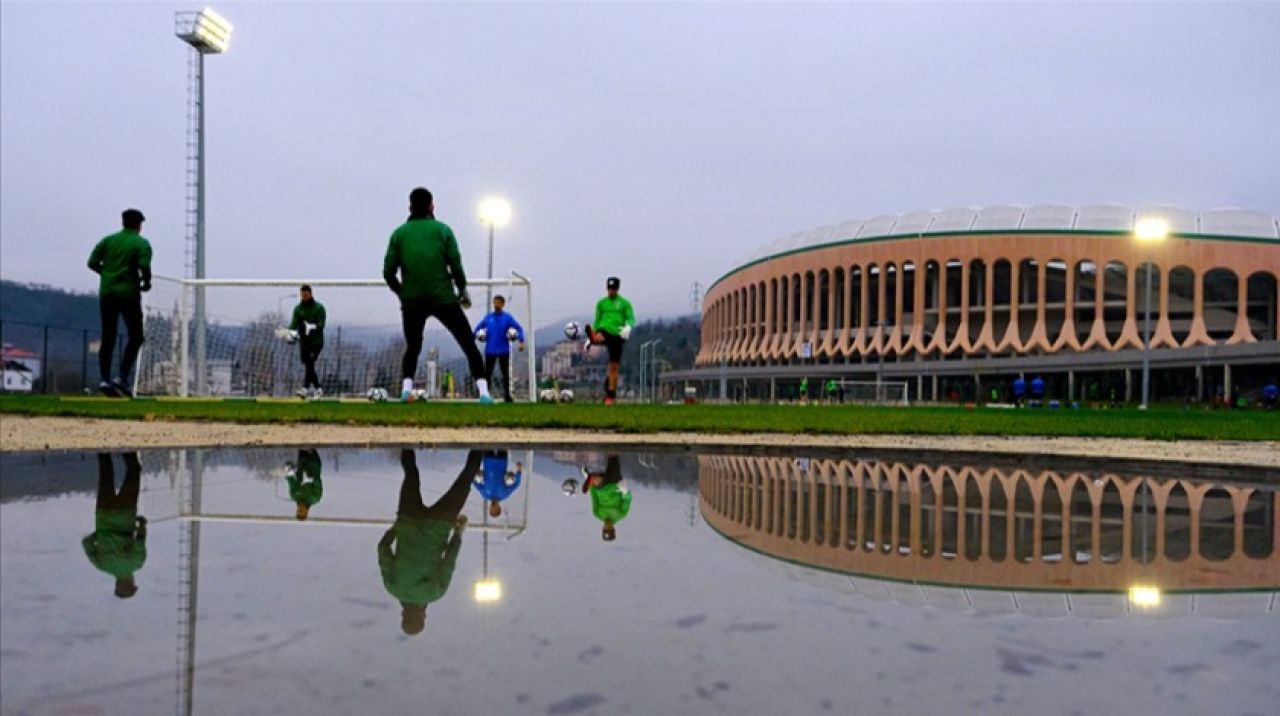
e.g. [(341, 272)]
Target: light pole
[(1148, 230), (494, 212), (208, 33), (653, 370)]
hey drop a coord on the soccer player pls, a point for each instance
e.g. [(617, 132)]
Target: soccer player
[(308, 324), (123, 260), (426, 541), (305, 487), (496, 483), (424, 252), (612, 327), (497, 346), (610, 497), (118, 544)]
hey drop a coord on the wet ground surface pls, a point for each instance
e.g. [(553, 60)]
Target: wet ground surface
[(742, 584)]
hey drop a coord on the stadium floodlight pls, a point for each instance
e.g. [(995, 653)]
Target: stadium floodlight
[(208, 33), (1148, 230), (494, 212), (488, 590)]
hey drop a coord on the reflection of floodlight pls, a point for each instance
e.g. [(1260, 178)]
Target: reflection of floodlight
[(207, 31), (1151, 228), (1144, 596), (488, 590)]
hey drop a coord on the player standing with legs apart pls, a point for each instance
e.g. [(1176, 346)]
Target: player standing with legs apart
[(424, 252), (497, 329), (123, 260), (308, 325), (612, 327)]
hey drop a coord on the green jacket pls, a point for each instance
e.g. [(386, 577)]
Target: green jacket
[(308, 492), (309, 312), (113, 546), (612, 314), (425, 253), (420, 569), (123, 259), (610, 502)]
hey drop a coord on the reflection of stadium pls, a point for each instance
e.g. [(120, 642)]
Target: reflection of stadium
[(963, 295), (932, 532)]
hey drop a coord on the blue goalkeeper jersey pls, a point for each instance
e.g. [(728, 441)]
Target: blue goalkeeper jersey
[(496, 325)]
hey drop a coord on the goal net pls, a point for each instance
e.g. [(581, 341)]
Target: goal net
[(240, 352), (882, 393)]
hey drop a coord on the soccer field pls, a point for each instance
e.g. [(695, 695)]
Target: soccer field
[(1156, 424)]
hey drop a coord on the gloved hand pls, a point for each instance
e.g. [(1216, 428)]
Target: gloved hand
[(293, 336), (625, 333), (465, 299)]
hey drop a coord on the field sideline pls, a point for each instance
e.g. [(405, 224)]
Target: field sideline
[(1156, 424)]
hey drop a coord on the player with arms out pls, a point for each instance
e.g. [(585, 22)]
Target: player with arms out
[(497, 329), (612, 327), (123, 260), (424, 268), (308, 325)]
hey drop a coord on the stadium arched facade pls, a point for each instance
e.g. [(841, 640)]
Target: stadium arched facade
[(960, 301)]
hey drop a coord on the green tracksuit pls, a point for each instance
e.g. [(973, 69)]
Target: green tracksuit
[(425, 252), (610, 502), (113, 546), (309, 312), (612, 314), (304, 483), (419, 570), (123, 259)]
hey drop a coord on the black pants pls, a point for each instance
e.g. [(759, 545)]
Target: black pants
[(113, 308), (503, 361), (310, 354), (450, 503), (127, 499), (414, 316)]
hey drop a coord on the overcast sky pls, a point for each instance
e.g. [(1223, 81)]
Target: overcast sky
[(658, 142)]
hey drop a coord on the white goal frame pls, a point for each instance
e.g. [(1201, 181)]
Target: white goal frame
[(188, 286)]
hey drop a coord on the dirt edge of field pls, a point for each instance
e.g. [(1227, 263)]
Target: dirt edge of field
[(19, 433)]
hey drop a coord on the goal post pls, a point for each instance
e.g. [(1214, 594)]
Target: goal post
[(364, 343), (883, 392)]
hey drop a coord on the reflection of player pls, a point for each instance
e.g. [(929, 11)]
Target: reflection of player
[(426, 541), (610, 497), (496, 483), (305, 487), (308, 324), (118, 544), (612, 327)]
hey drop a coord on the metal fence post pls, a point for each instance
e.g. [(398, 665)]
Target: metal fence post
[(44, 362), (338, 387), (84, 358)]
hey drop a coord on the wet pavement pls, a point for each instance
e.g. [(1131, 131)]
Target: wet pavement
[(732, 583)]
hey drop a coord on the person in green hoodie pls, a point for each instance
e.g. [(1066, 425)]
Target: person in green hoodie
[(610, 497), (118, 543), (305, 488), (611, 327), (424, 269), (426, 541), (308, 325), (123, 261)]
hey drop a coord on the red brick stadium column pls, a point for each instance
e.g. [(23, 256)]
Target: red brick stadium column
[(1039, 333), (985, 341), (1129, 332), (1011, 338), (1098, 332), (861, 343), (1067, 334), (1198, 336), (843, 346), (893, 343), (915, 342), (828, 337), (1163, 334), (961, 341), (1242, 332)]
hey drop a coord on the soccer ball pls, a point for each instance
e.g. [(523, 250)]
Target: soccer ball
[(566, 396), (417, 395), (377, 395), (569, 487), (572, 330), (546, 395), (482, 335), (512, 334)]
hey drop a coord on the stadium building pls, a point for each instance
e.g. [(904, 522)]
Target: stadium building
[(960, 302)]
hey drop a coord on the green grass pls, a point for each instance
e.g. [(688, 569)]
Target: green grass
[(1156, 424)]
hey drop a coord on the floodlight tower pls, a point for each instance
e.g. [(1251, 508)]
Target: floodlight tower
[(494, 212), (208, 33)]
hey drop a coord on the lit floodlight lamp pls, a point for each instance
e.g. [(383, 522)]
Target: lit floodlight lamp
[(206, 31), (1151, 229), (495, 211), (1144, 596), (488, 591)]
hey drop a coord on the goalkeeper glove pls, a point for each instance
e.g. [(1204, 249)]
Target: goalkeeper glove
[(464, 298), (625, 333), (293, 336)]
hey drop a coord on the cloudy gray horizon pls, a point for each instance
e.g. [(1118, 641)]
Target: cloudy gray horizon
[(657, 142)]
